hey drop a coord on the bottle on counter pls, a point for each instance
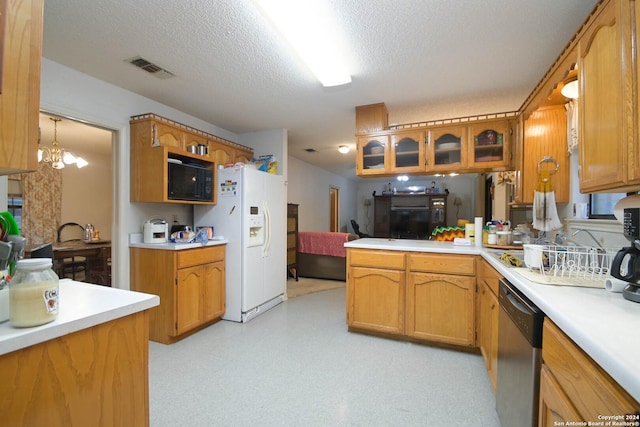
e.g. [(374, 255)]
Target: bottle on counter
[(33, 293), (88, 232)]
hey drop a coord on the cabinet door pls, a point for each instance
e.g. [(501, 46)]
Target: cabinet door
[(490, 145), (537, 145), (603, 144), (213, 291), (440, 307), (447, 148), (188, 299), (373, 154), (634, 172), (376, 299), (488, 330), (244, 156), (166, 135), (20, 60), (408, 152), (555, 407), (221, 153)]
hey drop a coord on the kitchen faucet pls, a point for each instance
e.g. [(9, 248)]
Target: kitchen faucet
[(562, 239)]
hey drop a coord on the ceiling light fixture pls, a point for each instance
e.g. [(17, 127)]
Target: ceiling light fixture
[(56, 155), (344, 149), (309, 29), (570, 88)]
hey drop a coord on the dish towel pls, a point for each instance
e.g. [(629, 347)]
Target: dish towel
[(545, 213)]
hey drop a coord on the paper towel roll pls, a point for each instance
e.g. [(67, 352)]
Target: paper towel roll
[(478, 228), (614, 285)]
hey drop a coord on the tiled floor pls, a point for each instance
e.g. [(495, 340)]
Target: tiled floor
[(297, 365)]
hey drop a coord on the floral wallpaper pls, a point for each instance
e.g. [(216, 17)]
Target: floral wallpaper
[(42, 202)]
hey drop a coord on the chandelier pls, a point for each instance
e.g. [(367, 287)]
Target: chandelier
[(56, 155)]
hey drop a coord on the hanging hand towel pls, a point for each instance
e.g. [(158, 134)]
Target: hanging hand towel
[(545, 212)]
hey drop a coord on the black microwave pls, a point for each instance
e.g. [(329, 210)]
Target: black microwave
[(190, 182)]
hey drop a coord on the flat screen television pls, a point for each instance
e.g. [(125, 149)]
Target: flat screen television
[(410, 223)]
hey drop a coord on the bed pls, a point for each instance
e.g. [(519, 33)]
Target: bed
[(322, 255)]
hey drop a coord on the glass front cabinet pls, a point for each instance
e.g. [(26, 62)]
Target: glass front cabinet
[(408, 151), (490, 144), (373, 155), (447, 148)]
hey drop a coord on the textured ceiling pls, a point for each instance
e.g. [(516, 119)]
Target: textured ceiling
[(426, 59)]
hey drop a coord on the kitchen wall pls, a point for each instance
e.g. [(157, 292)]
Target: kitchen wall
[(69, 93), (309, 185)]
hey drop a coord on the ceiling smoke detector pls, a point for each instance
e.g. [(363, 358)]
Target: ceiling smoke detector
[(150, 67)]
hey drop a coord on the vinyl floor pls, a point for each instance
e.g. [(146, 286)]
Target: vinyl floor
[(297, 365)]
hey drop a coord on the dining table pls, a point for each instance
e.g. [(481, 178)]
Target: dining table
[(95, 253)]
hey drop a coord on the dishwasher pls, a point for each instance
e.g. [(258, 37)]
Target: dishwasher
[(519, 358)]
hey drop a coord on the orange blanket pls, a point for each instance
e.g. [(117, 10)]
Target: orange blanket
[(323, 243)]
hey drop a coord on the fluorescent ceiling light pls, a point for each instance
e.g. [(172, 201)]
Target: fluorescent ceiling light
[(310, 30)]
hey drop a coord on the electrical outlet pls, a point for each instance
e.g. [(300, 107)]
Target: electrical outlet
[(174, 218)]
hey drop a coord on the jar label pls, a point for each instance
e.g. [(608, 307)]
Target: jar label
[(51, 300)]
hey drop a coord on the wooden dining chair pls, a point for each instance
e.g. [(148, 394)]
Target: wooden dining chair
[(74, 267)]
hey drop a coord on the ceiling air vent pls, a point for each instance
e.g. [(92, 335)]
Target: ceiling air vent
[(310, 150), (150, 67)]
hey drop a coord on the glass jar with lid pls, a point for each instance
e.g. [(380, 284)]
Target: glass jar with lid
[(33, 293)]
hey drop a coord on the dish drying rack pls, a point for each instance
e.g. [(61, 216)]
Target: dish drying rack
[(572, 265)]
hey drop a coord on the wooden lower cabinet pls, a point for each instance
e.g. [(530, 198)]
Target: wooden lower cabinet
[(408, 294), (573, 387), (440, 307), (191, 286), (375, 290), (487, 317), (95, 376)]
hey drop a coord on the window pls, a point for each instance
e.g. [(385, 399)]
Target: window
[(601, 205)]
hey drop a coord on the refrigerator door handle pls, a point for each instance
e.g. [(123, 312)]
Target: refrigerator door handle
[(267, 224)]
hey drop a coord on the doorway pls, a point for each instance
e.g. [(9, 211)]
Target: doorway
[(334, 214)]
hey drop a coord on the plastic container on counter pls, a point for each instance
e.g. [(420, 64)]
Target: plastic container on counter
[(504, 238), (33, 293)]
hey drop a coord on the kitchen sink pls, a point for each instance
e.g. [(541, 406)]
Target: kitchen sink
[(509, 258)]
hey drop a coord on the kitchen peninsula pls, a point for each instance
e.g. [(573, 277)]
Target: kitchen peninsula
[(87, 367), (602, 325)]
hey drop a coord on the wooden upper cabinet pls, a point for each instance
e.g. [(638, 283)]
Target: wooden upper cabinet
[(193, 140), (407, 151), (371, 118), (21, 58), (166, 135), (538, 144), (373, 155), (447, 148), (634, 165), (490, 144), (221, 153), (606, 100), (243, 155)]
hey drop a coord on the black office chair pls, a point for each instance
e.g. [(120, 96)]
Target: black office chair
[(356, 229), (75, 266)]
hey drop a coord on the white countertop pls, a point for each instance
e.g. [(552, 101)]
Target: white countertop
[(176, 246), (605, 325), (82, 305)]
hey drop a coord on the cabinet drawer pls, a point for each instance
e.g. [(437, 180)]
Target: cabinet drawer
[(376, 258), (591, 390), (193, 257), (438, 263), (489, 275)]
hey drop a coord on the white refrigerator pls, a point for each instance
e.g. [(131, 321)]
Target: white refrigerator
[(251, 215)]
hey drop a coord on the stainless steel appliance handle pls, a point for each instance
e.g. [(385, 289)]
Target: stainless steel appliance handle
[(267, 231)]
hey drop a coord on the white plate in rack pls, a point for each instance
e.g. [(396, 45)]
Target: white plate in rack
[(378, 166), (176, 161)]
